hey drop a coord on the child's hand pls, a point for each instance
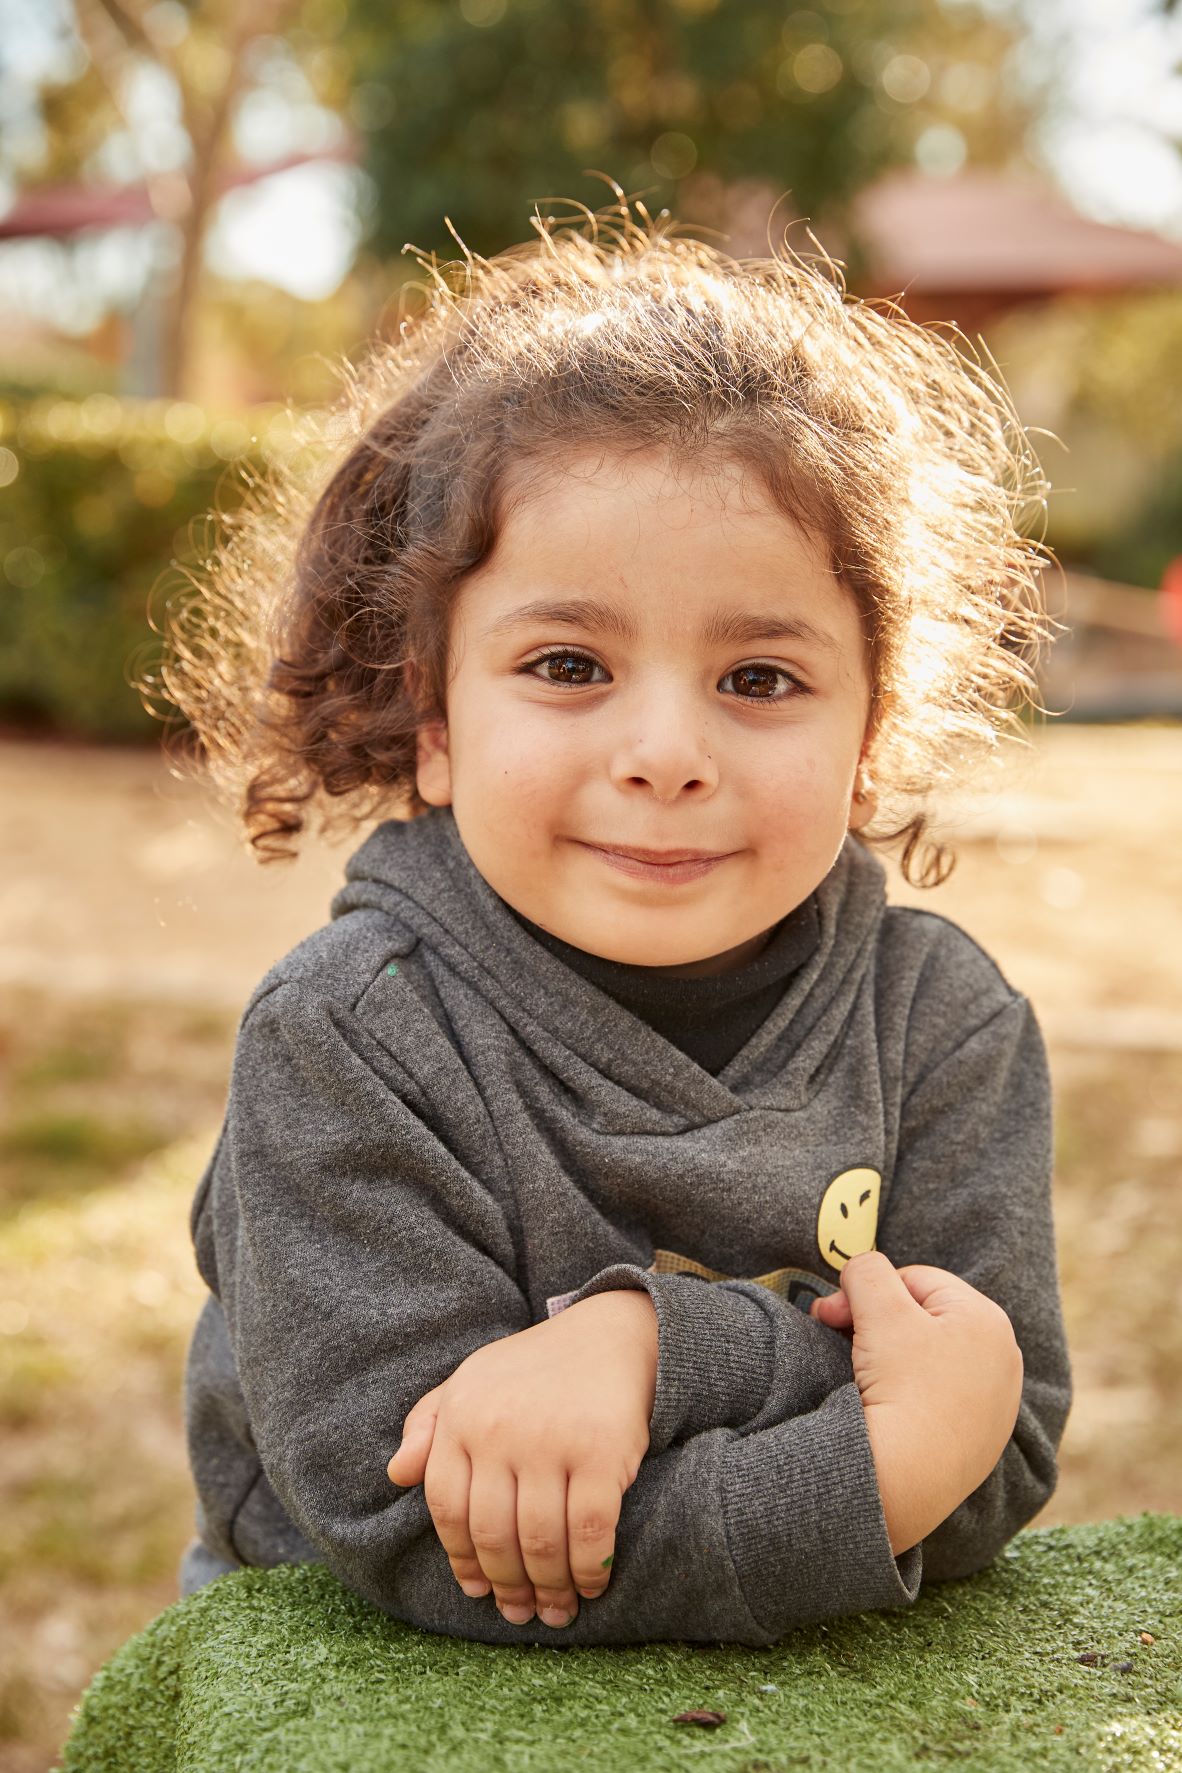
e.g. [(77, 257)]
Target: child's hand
[(939, 1371), (533, 1440)]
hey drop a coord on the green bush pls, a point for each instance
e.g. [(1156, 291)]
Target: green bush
[(100, 499), (1143, 548)]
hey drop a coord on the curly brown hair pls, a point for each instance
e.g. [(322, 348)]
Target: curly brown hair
[(317, 640)]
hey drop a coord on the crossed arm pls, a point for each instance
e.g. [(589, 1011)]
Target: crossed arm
[(526, 1451), (758, 1505), (946, 1436)]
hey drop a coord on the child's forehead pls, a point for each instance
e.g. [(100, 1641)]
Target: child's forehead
[(653, 550), (709, 483), (636, 519)]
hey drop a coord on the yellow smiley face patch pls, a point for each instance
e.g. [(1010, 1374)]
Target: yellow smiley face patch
[(847, 1223)]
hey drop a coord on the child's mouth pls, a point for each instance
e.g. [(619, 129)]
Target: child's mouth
[(664, 873)]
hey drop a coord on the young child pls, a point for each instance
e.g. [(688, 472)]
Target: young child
[(617, 1199)]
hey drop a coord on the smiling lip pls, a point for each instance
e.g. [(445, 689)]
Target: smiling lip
[(686, 865), (661, 857)]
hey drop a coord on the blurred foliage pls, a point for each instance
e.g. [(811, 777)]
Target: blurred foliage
[(97, 498), (90, 115), (255, 345), (1125, 360), (70, 374), (1128, 368), (1102, 373), (1140, 550), (478, 110), (84, 1095)]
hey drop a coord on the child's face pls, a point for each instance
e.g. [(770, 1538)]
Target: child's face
[(665, 739)]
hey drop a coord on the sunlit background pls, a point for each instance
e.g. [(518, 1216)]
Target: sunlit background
[(203, 210)]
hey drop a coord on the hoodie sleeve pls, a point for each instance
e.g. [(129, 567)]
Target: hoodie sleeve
[(358, 1263), (730, 1354), (971, 1193)]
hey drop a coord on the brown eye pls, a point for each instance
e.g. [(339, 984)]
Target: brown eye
[(574, 666), (747, 675)]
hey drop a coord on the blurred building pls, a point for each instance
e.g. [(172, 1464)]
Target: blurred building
[(973, 245)]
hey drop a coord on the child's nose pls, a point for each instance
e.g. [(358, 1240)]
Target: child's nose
[(669, 749)]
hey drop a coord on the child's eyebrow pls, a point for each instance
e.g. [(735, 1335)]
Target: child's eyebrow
[(733, 627)]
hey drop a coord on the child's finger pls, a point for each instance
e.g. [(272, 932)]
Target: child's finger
[(872, 1285), (544, 1503), (936, 1289), (592, 1498), (410, 1461), (928, 1286), (833, 1310), (448, 1490), (490, 1534)]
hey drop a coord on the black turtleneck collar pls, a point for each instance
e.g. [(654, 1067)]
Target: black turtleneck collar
[(709, 1017)]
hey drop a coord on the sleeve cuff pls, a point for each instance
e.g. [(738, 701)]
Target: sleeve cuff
[(714, 1351), (833, 1556)]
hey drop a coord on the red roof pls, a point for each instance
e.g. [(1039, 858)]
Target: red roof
[(992, 233), (56, 210)]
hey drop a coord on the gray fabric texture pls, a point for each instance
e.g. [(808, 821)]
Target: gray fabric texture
[(711, 1016), (437, 1134)]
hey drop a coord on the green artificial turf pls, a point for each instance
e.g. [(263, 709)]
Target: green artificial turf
[(285, 1670)]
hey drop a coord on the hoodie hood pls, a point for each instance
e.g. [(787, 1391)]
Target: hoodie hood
[(419, 872)]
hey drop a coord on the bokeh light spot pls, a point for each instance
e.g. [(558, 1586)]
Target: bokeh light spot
[(24, 568), (482, 12), (817, 68), (184, 422), (941, 150), (906, 78), (674, 155)]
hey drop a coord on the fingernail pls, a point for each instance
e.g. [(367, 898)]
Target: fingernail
[(476, 1589), (555, 1616), (517, 1615), (590, 1594)]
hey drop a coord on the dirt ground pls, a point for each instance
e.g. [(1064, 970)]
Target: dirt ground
[(132, 928)]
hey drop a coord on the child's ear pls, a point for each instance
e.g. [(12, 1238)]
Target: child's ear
[(864, 802), (433, 765)]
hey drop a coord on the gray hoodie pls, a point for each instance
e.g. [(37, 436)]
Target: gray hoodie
[(437, 1134)]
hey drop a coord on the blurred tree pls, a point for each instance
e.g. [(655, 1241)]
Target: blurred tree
[(478, 108), (1139, 552), (150, 94), (1128, 365), (254, 342), (207, 64), (1101, 374)]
